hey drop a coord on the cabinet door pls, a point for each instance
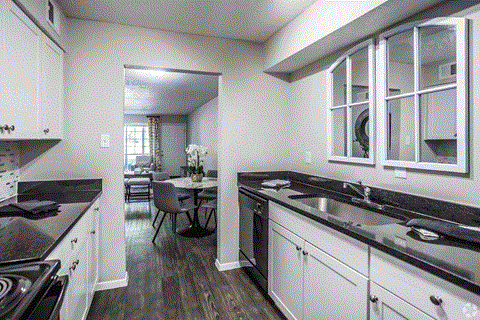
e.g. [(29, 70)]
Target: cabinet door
[(75, 302), (93, 253), (386, 306), (51, 102), (285, 275), (19, 74), (332, 290)]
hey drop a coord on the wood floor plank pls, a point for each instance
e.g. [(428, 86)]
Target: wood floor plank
[(176, 278)]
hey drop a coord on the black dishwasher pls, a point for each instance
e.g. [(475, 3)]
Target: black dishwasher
[(253, 237)]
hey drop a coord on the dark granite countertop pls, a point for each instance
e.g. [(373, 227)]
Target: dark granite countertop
[(453, 260), (24, 239)]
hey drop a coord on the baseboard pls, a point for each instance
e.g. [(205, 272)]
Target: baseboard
[(227, 266), (106, 285)]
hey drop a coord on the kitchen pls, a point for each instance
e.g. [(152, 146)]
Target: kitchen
[(275, 136)]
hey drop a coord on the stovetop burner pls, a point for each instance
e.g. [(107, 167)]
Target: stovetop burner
[(12, 289)]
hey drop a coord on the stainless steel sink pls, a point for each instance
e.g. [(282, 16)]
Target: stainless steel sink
[(347, 213)]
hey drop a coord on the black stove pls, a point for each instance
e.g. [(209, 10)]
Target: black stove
[(31, 290)]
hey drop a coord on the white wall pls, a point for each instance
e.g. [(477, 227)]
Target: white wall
[(202, 129), (252, 107), (308, 133)]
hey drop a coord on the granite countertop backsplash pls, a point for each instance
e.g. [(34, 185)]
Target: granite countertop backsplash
[(453, 260), (28, 239)]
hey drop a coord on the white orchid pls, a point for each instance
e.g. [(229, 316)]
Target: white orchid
[(195, 157)]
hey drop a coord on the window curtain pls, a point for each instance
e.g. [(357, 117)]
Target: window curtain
[(155, 136)]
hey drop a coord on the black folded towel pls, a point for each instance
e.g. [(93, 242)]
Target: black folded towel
[(457, 231), (36, 207)]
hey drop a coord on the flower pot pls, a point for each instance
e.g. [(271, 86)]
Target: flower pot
[(196, 177)]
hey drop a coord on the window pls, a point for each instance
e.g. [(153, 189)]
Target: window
[(137, 143), (351, 106), (424, 96)]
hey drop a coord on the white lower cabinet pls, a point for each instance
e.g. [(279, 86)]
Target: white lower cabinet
[(307, 283), (387, 306), (286, 271), (77, 292), (78, 253), (332, 290)]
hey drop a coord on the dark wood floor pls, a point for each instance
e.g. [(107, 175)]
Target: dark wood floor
[(177, 279)]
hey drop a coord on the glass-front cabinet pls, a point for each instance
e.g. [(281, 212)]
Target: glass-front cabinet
[(424, 95), (351, 106)]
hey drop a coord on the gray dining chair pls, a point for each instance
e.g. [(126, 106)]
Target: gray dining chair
[(210, 193), (165, 198), (212, 206), (162, 176)]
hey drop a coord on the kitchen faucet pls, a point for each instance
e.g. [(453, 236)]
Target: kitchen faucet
[(365, 194)]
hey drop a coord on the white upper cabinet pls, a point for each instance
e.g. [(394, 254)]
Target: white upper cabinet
[(424, 96), (51, 111), (351, 109), (20, 74), (31, 73)]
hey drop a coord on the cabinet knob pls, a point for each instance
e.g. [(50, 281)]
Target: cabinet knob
[(305, 253), (436, 300), (74, 240), (46, 131), (299, 248), (373, 298), (92, 232), (97, 209), (7, 128)]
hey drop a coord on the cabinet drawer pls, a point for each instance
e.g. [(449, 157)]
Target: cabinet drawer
[(419, 288), (69, 246), (350, 251)]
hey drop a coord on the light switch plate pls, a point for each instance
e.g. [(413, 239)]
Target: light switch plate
[(105, 141), (401, 173), (308, 157)]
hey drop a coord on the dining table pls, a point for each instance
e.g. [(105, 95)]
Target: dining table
[(194, 230)]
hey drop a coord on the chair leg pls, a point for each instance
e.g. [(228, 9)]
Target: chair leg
[(189, 217), (213, 211), (156, 217), (159, 226), (174, 222)]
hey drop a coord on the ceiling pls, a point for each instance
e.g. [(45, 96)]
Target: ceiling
[(252, 20), (149, 91)]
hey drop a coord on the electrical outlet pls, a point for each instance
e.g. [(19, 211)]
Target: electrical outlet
[(105, 141), (308, 157)]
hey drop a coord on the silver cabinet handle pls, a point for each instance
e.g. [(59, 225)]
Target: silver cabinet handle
[(373, 298), (74, 240), (305, 253), (74, 265), (436, 300), (299, 248), (92, 232), (46, 131), (97, 209)]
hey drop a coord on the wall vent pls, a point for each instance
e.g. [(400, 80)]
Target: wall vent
[(447, 70)]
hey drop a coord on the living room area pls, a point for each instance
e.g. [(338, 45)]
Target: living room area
[(167, 111)]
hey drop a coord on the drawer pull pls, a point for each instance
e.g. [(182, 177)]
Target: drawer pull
[(436, 300), (299, 248), (305, 253), (373, 298), (74, 240), (97, 209), (46, 131), (92, 232), (74, 265)]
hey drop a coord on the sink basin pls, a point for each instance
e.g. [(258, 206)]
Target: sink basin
[(345, 212)]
